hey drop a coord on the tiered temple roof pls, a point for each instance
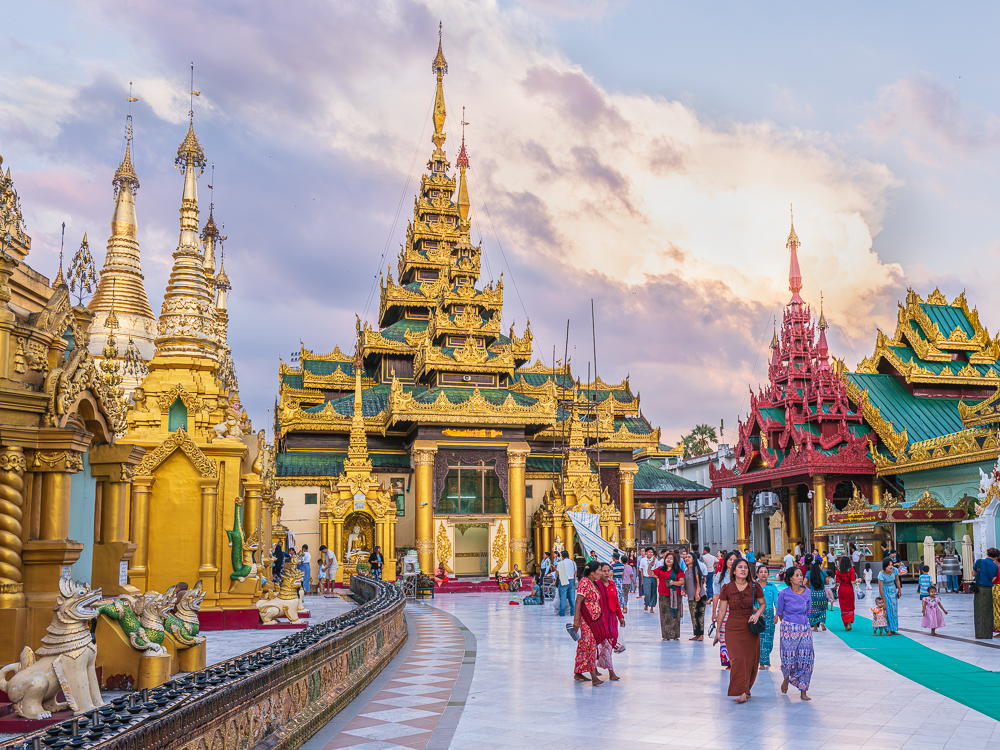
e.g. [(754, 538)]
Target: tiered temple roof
[(802, 423), (931, 391), (440, 354)]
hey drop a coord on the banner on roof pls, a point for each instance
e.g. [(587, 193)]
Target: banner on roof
[(588, 529)]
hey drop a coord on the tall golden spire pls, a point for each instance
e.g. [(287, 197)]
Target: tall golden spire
[(187, 325), (440, 67), (59, 280), (357, 462), (122, 270), (463, 189), (121, 290)]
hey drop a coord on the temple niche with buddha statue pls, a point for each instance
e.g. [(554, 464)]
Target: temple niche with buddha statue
[(471, 456)]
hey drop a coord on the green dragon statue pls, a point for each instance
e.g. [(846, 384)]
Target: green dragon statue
[(141, 618), (243, 563), (182, 623)]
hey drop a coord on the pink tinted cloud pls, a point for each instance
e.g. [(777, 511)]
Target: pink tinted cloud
[(933, 122)]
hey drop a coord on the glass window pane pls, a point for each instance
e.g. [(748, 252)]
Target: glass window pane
[(492, 496), (449, 498), (472, 491)]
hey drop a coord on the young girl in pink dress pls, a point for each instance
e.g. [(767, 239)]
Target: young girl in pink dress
[(879, 623), (932, 610)]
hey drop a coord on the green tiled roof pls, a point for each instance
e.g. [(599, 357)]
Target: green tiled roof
[(923, 418), (541, 378), (293, 379), (778, 415), (651, 477), (622, 397), (374, 401), (544, 463), (331, 463), (906, 354), (397, 331), (461, 395), (324, 367), (947, 318), (635, 425), (308, 464)]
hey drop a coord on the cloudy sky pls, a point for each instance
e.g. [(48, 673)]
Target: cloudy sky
[(643, 154)]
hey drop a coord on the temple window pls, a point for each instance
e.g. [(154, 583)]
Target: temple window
[(177, 417), (311, 498), (472, 489)]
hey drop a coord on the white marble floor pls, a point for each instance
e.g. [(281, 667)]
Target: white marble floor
[(523, 694)]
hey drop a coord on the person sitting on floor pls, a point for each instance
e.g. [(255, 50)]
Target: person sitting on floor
[(440, 575), (536, 593)]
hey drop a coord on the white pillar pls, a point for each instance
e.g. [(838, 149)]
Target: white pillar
[(967, 558), (929, 556)]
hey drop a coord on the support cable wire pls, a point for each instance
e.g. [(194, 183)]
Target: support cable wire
[(756, 359), (839, 329), (499, 244), (395, 218)]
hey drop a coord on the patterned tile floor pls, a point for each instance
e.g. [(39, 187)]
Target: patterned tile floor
[(522, 694), (411, 706)]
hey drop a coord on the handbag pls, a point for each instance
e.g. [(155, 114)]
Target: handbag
[(759, 625), (859, 592)]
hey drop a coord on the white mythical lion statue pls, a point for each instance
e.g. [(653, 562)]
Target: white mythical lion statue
[(67, 660)]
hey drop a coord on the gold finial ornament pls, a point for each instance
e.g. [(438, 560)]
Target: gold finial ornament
[(822, 318), (82, 274), (440, 67), (774, 335), (463, 190), (59, 280), (793, 239)]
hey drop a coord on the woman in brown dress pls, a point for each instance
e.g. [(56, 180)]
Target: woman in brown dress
[(738, 598)]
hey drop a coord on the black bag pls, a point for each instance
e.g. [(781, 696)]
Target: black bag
[(760, 625)]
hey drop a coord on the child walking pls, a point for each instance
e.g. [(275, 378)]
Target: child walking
[(868, 577), (932, 610), (880, 624)]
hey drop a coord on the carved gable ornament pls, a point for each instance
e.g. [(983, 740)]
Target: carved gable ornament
[(190, 401), (182, 441)]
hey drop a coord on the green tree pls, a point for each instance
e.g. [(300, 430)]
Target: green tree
[(700, 440)]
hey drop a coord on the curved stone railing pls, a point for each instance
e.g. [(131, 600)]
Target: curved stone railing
[(274, 698)]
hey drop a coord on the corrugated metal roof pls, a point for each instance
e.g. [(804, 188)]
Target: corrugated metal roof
[(651, 477), (948, 318), (922, 418)]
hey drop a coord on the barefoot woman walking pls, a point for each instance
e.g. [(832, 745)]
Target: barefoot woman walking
[(587, 620), (743, 599), (796, 643)]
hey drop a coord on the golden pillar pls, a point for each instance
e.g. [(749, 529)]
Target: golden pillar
[(517, 456), (820, 541), (52, 555), (113, 467), (626, 481), (545, 538), (742, 542), (7, 318), (424, 452), (537, 535), (681, 524), (138, 573), (792, 522), (208, 566), (11, 531), (660, 513)]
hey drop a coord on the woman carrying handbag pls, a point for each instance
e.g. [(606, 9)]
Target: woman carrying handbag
[(743, 600)]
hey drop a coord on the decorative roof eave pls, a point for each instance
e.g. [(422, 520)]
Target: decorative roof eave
[(488, 298), (985, 412), (896, 442), (953, 449), (338, 380), (291, 418), (374, 343), (914, 372), (625, 439), (467, 323), (467, 358), (802, 468), (305, 355), (403, 407)]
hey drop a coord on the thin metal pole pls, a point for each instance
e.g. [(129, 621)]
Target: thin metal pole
[(597, 420)]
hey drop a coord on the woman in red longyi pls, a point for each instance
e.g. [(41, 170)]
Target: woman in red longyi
[(845, 591)]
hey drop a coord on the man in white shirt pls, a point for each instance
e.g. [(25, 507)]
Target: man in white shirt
[(567, 585), (789, 560), (646, 564), (327, 570), (856, 560), (710, 561), (304, 565)]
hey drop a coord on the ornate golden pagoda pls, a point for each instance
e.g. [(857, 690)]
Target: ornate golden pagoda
[(197, 483), (449, 417), (121, 277)]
